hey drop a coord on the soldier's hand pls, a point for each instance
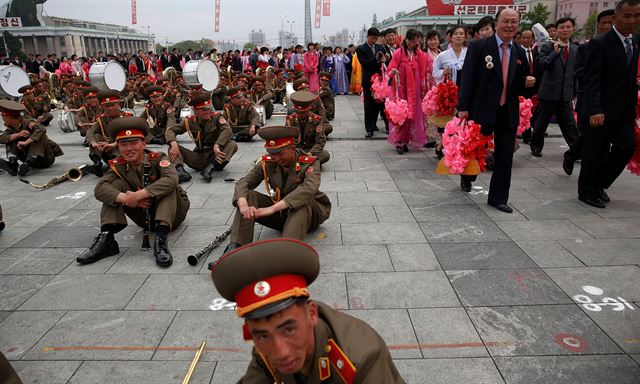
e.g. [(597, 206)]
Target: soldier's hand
[(264, 212), (144, 203), (174, 152), (98, 146), (463, 114), (248, 212), (596, 120), (530, 81), (24, 133), (109, 147), (22, 144)]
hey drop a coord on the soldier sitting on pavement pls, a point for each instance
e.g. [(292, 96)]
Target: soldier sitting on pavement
[(326, 95), (294, 204), (123, 194), (36, 107), (159, 115), (302, 84), (312, 138), (241, 115), (212, 135), (260, 96), (296, 339), (26, 141), (89, 112), (279, 86), (220, 93)]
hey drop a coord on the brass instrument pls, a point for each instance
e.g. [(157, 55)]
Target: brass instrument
[(229, 75), (74, 174), (194, 362), (171, 74), (269, 78)]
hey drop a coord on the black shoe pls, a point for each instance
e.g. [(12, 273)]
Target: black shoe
[(183, 176), (161, 252), (465, 184), (230, 247), (536, 152), (7, 167), (1, 226), (23, 169), (567, 165), (376, 129), (430, 145), (399, 150), (602, 194), (502, 207), (97, 169), (103, 246), (207, 173), (526, 136), (368, 135), (594, 202), (405, 148), (439, 154)]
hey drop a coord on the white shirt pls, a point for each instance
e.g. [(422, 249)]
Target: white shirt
[(448, 59), (622, 37)]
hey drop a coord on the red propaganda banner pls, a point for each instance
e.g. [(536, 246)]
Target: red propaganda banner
[(318, 13), (134, 13), (447, 7), (326, 8), (217, 23)]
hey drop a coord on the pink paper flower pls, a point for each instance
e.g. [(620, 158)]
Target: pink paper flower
[(526, 111), (463, 141), (397, 111)]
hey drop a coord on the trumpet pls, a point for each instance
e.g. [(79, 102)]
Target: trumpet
[(74, 174)]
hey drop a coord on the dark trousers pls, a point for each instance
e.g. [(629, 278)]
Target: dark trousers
[(504, 140), (564, 114), (606, 152), (371, 110)]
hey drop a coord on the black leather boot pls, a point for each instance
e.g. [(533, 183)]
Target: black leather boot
[(183, 176), (7, 166), (103, 246), (96, 168), (25, 167), (230, 247), (161, 252)]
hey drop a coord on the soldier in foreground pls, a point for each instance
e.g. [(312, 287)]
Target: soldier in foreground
[(123, 194), (296, 339)]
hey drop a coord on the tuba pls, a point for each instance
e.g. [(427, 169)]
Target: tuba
[(74, 174)]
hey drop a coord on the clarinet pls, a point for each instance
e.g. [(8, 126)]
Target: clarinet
[(203, 253), (147, 214)]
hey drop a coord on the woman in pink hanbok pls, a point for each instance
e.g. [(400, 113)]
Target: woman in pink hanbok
[(409, 66), (311, 61)]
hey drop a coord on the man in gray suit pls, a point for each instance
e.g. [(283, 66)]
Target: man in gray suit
[(555, 95)]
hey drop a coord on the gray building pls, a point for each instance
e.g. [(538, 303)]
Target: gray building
[(257, 38), (287, 39)]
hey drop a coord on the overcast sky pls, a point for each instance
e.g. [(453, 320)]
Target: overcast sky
[(194, 19)]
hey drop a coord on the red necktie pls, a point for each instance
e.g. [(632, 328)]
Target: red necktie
[(505, 73), (566, 53)]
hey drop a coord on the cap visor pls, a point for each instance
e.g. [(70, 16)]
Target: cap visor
[(274, 151)]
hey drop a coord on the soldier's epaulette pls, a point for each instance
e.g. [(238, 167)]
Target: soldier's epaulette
[(216, 113), (346, 370), (126, 113), (316, 117), (306, 159), (39, 98), (292, 116), (116, 161), (153, 155), (267, 158)]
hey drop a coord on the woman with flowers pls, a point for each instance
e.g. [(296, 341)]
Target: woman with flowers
[(407, 67), (450, 61)]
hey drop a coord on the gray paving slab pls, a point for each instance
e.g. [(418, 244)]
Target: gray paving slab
[(400, 338), (615, 281), (395, 164), (360, 199), (446, 333), (601, 252), (435, 199), (549, 254), (60, 237), (16, 289), (568, 369), (331, 289), (142, 372), (400, 290), (36, 261), (362, 175), (540, 330), (85, 292), (394, 214), (413, 257), (366, 165), (542, 230), (498, 255), (449, 212), (20, 331), (221, 329), (209, 217), (229, 371), (352, 215), (50, 372), (37, 218), (462, 232), (408, 174), (76, 218), (354, 258), (174, 292), (617, 208), (4, 315), (506, 287), (100, 267), (427, 185), (557, 210), (621, 323), (449, 371), (198, 236), (621, 228), (382, 233), (381, 186), (103, 335), (12, 235)]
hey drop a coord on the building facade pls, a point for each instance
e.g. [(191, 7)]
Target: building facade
[(581, 9), (257, 38), (552, 7)]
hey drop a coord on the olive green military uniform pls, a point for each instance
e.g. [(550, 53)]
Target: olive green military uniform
[(87, 114), (328, 101), (170, 201), (316, 107), (279, 89), (42, 149), (39, 109), (263, 98), (312, 138), (298, 186), (74, 102), (241, 118), (205, 134), (158, 120), (98, 133), (218, 97)]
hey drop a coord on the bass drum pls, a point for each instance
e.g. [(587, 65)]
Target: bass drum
[(12, 78), (204, 72), (109, 75), (67, 121)]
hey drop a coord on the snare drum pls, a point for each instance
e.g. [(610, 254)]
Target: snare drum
[(67, 121), (12, 78), (263, 114), (109, 75), (204, 72)]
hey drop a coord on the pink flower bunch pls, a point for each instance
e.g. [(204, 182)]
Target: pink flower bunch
[(463, 142), (526, 111), (397, 111), (380, 87), (429, 102)]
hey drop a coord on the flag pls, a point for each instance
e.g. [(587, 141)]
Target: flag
[(318, 13), (326, 8), (217, 29), (134, 16)]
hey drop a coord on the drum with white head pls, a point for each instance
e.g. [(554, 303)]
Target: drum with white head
[(67, 121), (109, 75), (263, 114), (12, 78), (204, 72), (186, 112)]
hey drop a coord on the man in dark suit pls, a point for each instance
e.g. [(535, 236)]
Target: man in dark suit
[(555, 95), (498, 73), (165, 59), (527, 41), (611, 95), (175, 59), (371, 56), (140, 62)]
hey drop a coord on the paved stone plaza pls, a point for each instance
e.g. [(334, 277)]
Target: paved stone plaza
[(461, 292)]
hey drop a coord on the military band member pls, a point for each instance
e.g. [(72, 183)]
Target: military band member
[(294, 204), (171, 95), (312, 138), (36, 106), (326, 95), (212, 136), (296, 339), (159, 115), (220, 93), (196, 90), (26, 141), (241, 116), (302, 84), (244, 82), (123, 194), (74, 99), (90, 110), (260, 96), (102, 146), (128, 93), (279, 88)]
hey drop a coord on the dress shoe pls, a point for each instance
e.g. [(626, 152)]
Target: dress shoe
[(399, 150), (594, 202), (97, 169), (368, 135), (465, 185), (431, 144), (502, 207), (24, 169), (526, 136), (183, 176), (1, 226), (567, 165), (405, 148), (161, 252), (439, 154), (602, 194), (7, 167), (230, 247), (536, 152), (376, 129), (103, 246), (207, 173)]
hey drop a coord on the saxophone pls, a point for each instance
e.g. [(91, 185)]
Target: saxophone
[(74, 174)]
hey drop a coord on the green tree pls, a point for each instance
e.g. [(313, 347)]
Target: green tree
[(589, 27), (159, 47), (13, 44), (249, 46), (374, 22), (539, 14)]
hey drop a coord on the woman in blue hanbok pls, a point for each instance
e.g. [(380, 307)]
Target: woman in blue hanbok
[(341, 79)]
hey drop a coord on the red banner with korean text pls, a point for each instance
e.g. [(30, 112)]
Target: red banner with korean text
[(217, 23), (448, 7), (134, 13), (318, 13), (326, 8)]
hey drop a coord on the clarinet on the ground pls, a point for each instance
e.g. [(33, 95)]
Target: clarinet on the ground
[(147, 214), (196, 257)]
